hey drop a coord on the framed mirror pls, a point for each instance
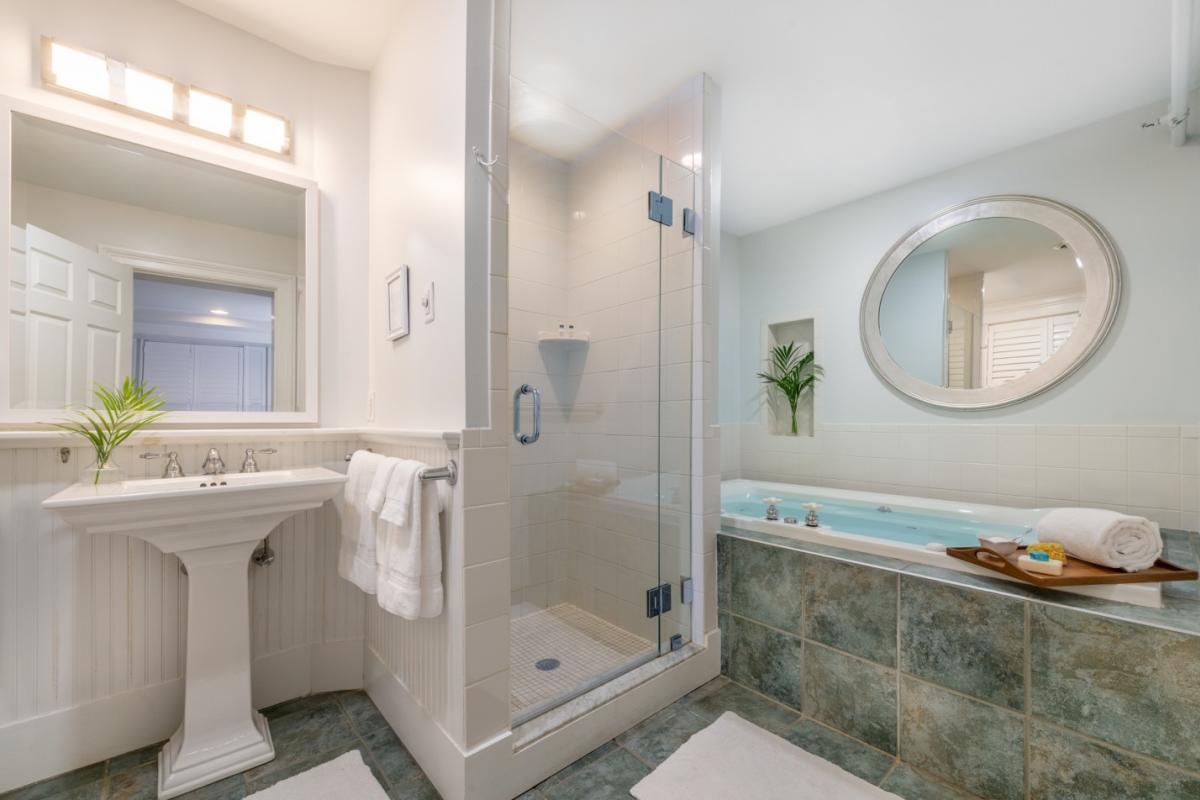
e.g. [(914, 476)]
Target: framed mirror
[(990, 302), (132, 257)]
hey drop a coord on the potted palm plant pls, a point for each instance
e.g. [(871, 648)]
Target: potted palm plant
[(793, 373), (121, 414)]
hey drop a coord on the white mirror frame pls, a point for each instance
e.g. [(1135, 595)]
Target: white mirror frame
[(308, 289), (1102, 273)]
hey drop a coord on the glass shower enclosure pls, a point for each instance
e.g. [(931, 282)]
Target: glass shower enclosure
[(600, 297)]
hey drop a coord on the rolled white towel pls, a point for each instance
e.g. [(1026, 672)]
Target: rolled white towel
[(1108, 538)]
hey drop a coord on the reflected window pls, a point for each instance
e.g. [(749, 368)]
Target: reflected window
[(206, 347)]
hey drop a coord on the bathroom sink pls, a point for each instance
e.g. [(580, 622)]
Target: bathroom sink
[(213, 524), (178, 513)]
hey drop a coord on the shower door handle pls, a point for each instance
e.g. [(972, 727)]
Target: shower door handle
[(527, 438)]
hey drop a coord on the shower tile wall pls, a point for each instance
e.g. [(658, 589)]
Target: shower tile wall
[(1150, 470)]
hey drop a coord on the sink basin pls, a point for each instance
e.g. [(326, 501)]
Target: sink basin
[(213, 523)]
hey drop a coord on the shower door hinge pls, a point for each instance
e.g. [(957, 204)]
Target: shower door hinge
[(689, 222), (658, 600), (661, 208)]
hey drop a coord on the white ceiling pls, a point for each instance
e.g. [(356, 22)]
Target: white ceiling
[(826, 101), (348, 33), (73, 160)]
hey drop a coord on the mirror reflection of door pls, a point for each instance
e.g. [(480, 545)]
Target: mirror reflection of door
[(982, 303)]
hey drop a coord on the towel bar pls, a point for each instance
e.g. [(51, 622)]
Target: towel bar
[(448, 473)]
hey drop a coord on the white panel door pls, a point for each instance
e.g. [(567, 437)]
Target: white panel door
[(79, 320), (18, 363)]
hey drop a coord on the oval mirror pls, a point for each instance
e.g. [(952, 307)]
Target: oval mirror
[(990, 302)]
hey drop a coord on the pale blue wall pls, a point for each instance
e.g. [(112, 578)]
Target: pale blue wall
[(1142, 190), (912, 315)]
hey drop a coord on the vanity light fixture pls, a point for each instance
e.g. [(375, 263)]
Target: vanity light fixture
[(98, 79)]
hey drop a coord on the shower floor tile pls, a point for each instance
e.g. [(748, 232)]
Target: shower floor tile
[(585, 646)]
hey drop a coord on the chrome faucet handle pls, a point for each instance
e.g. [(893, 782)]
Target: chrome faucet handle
[(812, 519), (213, 463), (173, 468), (249, 464), (772, 508)]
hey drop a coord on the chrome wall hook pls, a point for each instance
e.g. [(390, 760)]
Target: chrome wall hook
[(483, 162)]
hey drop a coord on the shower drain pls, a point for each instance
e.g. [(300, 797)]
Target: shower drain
[(547, 664)]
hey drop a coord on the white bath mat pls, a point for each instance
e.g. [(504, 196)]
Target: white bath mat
[(345, 776), (735, 759)]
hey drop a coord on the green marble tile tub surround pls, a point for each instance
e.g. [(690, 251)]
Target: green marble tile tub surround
[(965, 742), (766, 660), (1180, 611), (716, 697), (1130, 685), (851, 607), (963, 639), (850, 754), (765, 585), (1063, 766), (913, 784), (850, 694)]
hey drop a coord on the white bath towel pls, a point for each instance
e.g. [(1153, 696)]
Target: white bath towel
[(409, 582), (356, 558), (1108, 538)]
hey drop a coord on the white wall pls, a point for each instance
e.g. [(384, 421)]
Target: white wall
[(328, 106), (1144, 192), (419, 203), (91, 222)]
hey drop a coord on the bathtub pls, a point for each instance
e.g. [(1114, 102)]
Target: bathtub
[(911, 529)]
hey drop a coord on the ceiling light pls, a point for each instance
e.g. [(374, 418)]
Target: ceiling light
[(220, 312), (79, 71), (264, 130), (1079, 262), (211, 113), (114, 84), (149, 93)]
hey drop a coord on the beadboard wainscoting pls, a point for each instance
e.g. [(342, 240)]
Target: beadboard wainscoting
[(1149, 470), (92, 628)]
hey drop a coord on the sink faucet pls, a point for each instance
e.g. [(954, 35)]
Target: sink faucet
[(213, 464), (250, 465), (173, 469)]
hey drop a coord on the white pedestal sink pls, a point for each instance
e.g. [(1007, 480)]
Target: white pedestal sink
[(213, 523)]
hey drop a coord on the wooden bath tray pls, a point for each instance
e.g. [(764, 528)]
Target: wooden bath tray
[(1075, 572)]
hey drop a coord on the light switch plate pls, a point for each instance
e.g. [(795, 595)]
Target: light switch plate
[(427, 302)]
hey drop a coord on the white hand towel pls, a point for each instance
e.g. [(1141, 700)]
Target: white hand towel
[(356, 557), (410, 555), (1108, 538)]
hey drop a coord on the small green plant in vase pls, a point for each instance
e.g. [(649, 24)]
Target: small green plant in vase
[(793, 373), (121, 414)]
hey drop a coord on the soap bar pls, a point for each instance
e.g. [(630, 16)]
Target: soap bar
[(1051, 567)]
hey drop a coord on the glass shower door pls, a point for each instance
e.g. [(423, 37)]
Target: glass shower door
[(599, 366)]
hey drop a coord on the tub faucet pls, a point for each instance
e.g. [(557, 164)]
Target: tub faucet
[(811, 519), (772, 508), (213, 464)]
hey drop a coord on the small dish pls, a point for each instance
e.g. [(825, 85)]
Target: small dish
[(1000, 545)]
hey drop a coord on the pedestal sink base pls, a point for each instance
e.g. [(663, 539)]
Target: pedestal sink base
[(173, 782), (213, 526)]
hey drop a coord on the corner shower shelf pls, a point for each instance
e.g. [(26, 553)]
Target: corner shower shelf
[(568, 341)]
